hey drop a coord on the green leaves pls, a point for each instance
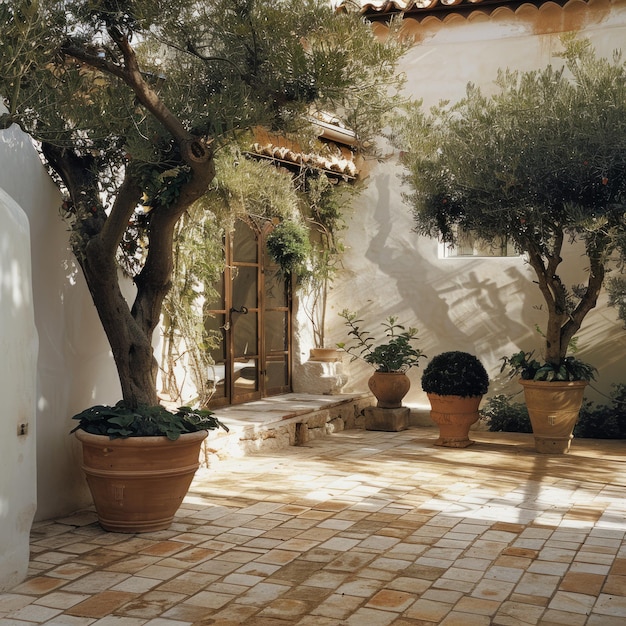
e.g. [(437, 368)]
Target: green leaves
[(398, 354), (148, 421), (290, 248), (540, 163), (523, 364), (455, 373)]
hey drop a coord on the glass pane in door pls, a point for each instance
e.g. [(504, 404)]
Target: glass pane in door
[(275, 288), (277, 376), (245, 244), (214, 324), (275, 331), (245, 287)]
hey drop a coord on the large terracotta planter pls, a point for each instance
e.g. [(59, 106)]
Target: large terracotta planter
[(138, 483), (454, 415), (553, 408), (389, 388)]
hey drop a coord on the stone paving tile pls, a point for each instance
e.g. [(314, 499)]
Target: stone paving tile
[(101, 604), (364, 528)]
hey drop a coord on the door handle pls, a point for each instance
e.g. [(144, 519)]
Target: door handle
[(243, 310)]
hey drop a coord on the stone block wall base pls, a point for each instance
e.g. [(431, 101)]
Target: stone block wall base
[(391, 420), (279, 422)]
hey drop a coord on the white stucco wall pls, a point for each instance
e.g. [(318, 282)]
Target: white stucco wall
[(74, 368), (18, 347), (485, 306)]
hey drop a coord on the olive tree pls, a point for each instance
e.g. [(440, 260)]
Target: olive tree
[(130, 101), (540, 163)]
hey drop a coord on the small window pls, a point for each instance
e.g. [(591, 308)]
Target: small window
[(469, 246)]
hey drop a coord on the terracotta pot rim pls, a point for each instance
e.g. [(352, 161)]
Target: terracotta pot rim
[(438, 395), (155, 441), (553, 383)]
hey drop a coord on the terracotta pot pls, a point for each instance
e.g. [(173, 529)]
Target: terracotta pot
[(325, 355), (138, 483), (389, 388), (553, 408), (454, 415)]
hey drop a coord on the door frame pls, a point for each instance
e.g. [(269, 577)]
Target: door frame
[(232, 312)]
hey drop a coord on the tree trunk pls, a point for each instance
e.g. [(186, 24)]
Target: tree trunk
[(131, 346), (96, 234), (563, 324)]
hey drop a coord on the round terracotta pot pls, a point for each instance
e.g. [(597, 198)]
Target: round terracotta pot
[(389, 388), (553, 408), (138, 483), (454, 415)]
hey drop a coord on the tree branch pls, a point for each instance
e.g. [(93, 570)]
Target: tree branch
[(126, 201)]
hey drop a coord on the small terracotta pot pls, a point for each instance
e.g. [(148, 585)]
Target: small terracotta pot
[(389, 388)]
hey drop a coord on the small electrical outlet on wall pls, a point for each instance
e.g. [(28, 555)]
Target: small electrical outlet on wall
[(22, 429)]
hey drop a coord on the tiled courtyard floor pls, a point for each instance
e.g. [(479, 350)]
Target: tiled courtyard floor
[(361, 528)]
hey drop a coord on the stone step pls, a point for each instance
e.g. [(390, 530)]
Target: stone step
[(281, 421)]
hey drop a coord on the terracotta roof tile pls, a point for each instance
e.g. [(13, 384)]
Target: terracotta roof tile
[(382, 9)]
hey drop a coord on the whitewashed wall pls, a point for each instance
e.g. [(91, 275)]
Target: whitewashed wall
[(74, 367), (18, 347), (485, 306)]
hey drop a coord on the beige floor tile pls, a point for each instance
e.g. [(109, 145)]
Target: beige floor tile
[(285, 608), (262, 594), (453, 585), (513, 613), (391, 600), (572, 602), (38, 585), (372, 617), (555, 617), (479, 606), (580, 582), (458, 618), (605, 620), (611, 604), (537, 584), (337, 606), (428, 610), (186, 612), (101, 604), (210, 599), (188, 583)]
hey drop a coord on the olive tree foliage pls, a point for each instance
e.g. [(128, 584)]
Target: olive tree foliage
[(541, 162), (131, 100)]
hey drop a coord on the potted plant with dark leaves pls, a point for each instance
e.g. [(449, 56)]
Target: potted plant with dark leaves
[(391, 358), (553, 394), (140, 462), (455, 383)]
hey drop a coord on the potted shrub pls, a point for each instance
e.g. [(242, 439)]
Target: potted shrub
[(455, 383), (543, 163), (391, 360), (553, 396), (140, 462)]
